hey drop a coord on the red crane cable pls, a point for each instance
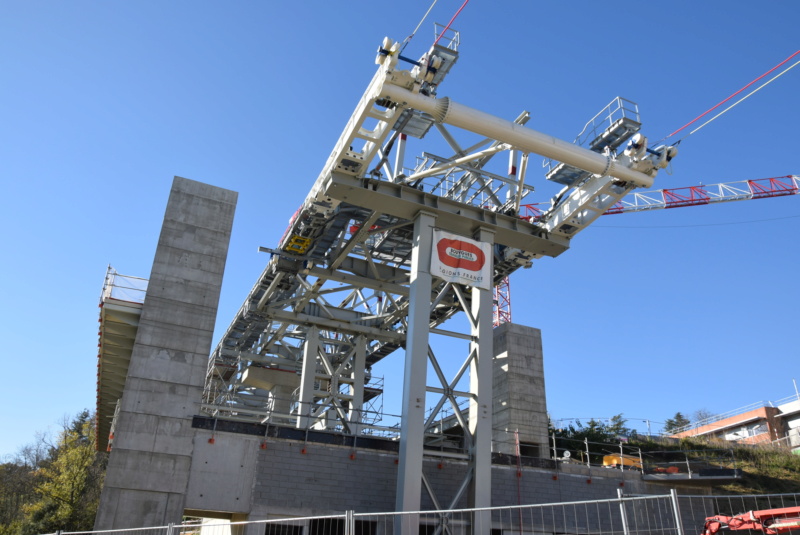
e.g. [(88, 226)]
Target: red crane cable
[(454, 18), (733, 95)]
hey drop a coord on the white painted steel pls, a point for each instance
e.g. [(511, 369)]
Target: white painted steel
[(455, 163), (305, 403), (447, 111), (357, 374), (332, 248), (409, 477), (480, 386)]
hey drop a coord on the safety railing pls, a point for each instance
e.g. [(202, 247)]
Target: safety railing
[(709, 420), (651, 515), (123, 287), (612, 125), (616, 110), (448, 37), (680, 464), (667, 514)]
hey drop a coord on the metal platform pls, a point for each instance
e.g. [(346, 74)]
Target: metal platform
[(606, 131), (120, 308)]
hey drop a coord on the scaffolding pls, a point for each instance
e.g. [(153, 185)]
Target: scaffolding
[(120, 305)]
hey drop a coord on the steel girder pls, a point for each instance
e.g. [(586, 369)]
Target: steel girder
[(349, 282)]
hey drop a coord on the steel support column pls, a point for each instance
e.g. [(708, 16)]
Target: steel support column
[(480, 383), (306, 401), (409, 477), (357, 388)]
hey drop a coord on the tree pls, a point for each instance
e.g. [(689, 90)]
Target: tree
[(51, 487), (675, 423), (617, 427), (701, 414), (16, 489), (69, 490)]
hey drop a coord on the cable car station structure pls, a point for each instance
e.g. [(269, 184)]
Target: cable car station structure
[(349, 284)]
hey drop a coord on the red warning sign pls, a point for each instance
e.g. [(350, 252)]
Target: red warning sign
[(462, 260)]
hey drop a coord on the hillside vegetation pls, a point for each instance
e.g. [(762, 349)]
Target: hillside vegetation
[(765, 469), (53, 484)]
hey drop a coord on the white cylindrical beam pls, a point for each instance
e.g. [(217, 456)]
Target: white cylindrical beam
[(446, 111)]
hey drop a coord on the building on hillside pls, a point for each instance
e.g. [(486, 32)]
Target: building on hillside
[(762, 423), (790, 415)]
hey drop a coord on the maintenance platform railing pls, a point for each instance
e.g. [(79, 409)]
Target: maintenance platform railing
[(606, 131)]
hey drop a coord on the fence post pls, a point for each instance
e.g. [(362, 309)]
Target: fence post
[(588, 462), (673, 494), (623, 515), (349, 523)]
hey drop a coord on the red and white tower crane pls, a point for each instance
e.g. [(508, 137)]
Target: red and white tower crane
[(743, 190)]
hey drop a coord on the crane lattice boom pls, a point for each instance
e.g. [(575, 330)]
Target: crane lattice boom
[(743, 190), (760, 188)]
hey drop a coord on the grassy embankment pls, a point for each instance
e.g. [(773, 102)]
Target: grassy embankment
[(766, 469)]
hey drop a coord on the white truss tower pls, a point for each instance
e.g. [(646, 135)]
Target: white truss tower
[(350, 282)]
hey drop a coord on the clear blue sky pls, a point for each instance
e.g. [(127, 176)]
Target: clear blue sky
[(101, 103)]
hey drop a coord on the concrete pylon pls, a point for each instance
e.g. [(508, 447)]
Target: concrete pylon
[(149, 466), (519, 402)]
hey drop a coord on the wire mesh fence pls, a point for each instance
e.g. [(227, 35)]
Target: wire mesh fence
[(696, 509), (653, 515), (626, 515), (159, 530)]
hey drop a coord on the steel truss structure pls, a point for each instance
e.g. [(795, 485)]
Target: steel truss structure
[(760, 188), (701, 195), (743, 190), (350, 281)]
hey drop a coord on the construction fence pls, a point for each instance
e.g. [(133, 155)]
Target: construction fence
[(668, 514)]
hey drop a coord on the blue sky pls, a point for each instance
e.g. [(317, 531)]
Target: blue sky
[(102, 103)]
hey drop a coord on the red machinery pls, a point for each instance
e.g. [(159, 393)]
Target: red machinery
[(770, 521)]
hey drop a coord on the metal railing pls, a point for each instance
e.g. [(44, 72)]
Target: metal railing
[(735, 412), (123, 287), (719, 462), (619, 109), (667, 514), (449, 37)]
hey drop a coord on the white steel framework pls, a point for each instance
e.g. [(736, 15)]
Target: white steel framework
[(350, 282)]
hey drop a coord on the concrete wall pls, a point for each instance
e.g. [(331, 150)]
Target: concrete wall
[(297, 478), (518, 387), (149, 466), (164, 464)]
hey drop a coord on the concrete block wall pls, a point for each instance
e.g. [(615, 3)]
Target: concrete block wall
[(301, 479), (326, 480)]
